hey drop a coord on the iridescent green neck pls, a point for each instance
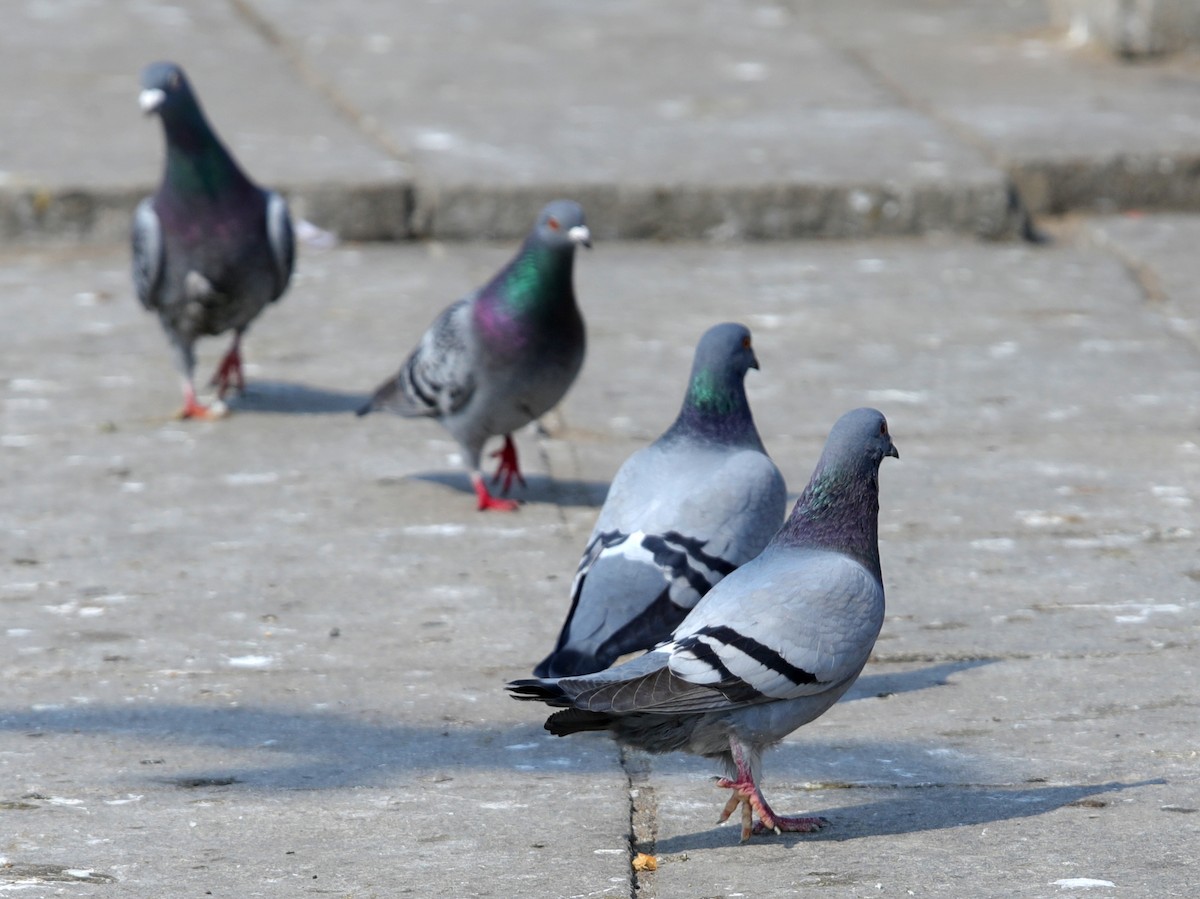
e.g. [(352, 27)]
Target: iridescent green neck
[(197, 164), (716, 408), (538, 274)]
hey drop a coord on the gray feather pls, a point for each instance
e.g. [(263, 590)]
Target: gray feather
[(680, 515)]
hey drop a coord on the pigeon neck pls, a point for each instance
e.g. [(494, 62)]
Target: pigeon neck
[(716, 408), (839, 511), (536, 277), (197, 164)]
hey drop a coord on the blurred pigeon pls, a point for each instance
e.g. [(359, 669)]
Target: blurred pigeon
[(681, 514), (210, 247), (497, 359), (768, 649)]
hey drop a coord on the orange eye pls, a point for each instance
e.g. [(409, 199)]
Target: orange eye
[(552, 223), (883, 429), (745, 343)]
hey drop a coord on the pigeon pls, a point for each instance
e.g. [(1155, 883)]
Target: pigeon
[(502, 356), (681, 514), (210, 247), (768, 649)]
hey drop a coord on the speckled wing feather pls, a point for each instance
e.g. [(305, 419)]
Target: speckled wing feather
[(438, 378)]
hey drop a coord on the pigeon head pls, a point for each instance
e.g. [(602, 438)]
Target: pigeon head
[(715, 404), (859, 441), (165, 91), (839, 509), (562, 224), (197, 162)]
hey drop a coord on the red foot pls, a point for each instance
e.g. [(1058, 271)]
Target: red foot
[(508, 468), (229, 373), (193, 408), (747, 794), (487, 501)]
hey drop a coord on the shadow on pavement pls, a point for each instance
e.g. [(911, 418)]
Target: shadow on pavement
[(256, 748), (295, 399), (906, 810), (889, 683), (537, 489)]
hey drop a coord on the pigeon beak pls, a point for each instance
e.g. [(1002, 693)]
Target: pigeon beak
[(893, 452), (581, 235), (754, 361), (150, 99)]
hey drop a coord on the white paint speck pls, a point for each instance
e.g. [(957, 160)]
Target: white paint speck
[(905, 397), (518, 747), (435, 530), (860, 202), (16, 441), (869, 265), (1081, 883), (32, 385), (436, 140), (18, 632), (251, 478), (1037, 518), (995, 544), (750, 71), (126, 801), (251, 661)]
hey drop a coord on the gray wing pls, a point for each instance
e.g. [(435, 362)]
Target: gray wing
[(281, 240), (776, 629), (438, 377), (791, 623), (669, 531), (147, 254)]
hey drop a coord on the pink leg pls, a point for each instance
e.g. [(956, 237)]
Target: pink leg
[(747, 794), (508, 468), (229, 373), (486, 500)]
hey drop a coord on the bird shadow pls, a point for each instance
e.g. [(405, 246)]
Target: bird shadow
[(288, 398), (909, 810), (541, 489), (890, 683), (275, 749)]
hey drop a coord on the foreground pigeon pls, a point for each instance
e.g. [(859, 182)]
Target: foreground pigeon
[(680, 515), (504, 355), (771, 647), (210, 247)]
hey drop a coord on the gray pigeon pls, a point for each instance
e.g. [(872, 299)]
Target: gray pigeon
[(501, 357), (680, 515), (210, 247), (770, 648)]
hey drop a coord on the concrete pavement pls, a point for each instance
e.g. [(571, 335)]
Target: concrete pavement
[(675, 120), (265, 656)]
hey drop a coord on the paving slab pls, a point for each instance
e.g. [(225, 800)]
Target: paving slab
[(76, 154), (243, 654), (723, 120), (720, 121), (1073, 127)]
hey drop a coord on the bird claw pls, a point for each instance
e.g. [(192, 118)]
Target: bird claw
[(747, 795), (229, 374), (488, 502), (508, 468), (193, 408)]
